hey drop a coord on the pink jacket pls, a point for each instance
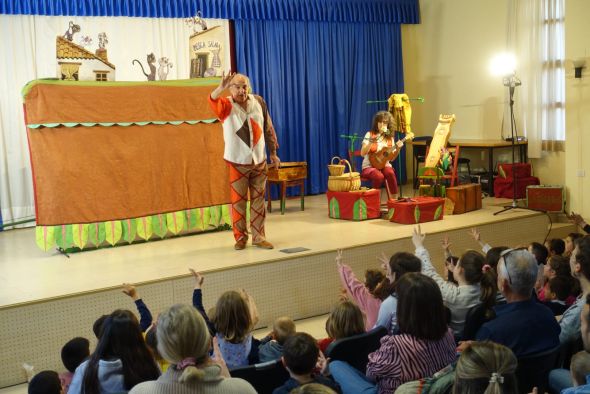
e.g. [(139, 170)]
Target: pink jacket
[(360, 295)]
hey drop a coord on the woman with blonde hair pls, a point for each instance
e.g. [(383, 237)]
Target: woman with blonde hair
[(486, 367), (184, 341)]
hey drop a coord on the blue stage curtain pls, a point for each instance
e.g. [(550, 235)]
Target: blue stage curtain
[(387, 11), (316, 78)]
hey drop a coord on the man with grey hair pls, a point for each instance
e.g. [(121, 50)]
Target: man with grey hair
[(522, 324)]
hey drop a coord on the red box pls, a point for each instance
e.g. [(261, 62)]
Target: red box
[(503, 187), (357, 205), (416, 210), (518, 170), (545, 198)]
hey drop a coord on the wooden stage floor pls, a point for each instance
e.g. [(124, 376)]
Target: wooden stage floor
[(29, 274)]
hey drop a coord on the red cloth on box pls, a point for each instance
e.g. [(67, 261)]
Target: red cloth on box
[(522, 170), (354, 205), (416, 210), (503, 187)]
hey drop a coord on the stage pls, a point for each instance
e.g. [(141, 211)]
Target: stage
[(48, 298)]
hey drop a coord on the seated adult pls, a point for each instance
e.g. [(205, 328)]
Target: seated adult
[(423, 346), (522, 324), (379, 141)]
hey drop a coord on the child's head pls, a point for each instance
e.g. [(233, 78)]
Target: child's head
[(232, 317), (555, 246), (470, 267), (580, 367), (383, 289), (486, 367), (151, 340), (312, 388), (97, 326), (540, 252), (345, 320), (401, 263), (569, 242), (560, 288), (45, 382), (283, 328), (557, 266), (373, 278), (74, 352), (300, 353), (493, 256)]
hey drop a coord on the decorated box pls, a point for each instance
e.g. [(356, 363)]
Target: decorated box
[(416, 210), (518, 170), (545, 198), (354, 205)]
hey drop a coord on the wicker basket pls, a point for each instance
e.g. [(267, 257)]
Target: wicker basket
[(336, 169), (345, 182)]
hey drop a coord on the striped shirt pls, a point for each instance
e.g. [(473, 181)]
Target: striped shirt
[(403, 358)]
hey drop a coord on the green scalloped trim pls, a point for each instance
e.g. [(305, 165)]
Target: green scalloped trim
[(127, 231), (124, 124), (174, 82)]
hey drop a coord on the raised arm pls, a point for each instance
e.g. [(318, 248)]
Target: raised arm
[(145, 316)]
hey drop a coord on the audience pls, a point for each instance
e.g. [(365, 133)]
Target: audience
[(45, 382), (369, 295), (556, 266), (423, 345), (184, 341), (271, 347), (580, 373), (555, 246), (73, 353), (312, 388), (145, 316), (517, 273), (569, 243), (398, 265), (345, 320), (120, 361), (475, 282), (557, 294), (300, 357)]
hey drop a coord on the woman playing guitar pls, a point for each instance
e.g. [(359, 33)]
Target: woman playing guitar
[(378, 149)]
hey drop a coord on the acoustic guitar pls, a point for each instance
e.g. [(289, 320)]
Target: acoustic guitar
[(380, 158)]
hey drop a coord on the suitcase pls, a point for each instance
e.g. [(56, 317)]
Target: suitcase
[(354, 205), (467, 197), (415, 210), (547, 198), (503, 187)]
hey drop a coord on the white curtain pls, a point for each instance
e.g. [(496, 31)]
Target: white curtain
[(536, 36), (28, 51)]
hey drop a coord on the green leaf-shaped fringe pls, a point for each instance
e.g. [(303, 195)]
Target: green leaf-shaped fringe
[(129, 229), (45, 237), (438, 212), (417, 214), (359, 210), (88, 235), (390, 213), (64, 236), (124, 124)]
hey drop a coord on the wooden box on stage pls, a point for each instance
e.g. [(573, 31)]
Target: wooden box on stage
[(289, 170), (355, 205), (416, 210), (545, 198), (467, 197)]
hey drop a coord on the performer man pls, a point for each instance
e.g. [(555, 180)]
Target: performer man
[(247, 130)]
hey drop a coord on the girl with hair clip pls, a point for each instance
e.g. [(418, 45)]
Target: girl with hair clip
[(345, 320), (476, 282), (184, 341), (235, 317), (486, 367), (120, 361), (423, 345), (379, 140)]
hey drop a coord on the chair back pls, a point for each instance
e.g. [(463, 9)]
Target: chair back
[(476, 316), (265, 377), (533, 370), (355, 350)]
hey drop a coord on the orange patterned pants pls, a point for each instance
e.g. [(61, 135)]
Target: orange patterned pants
[(244, 179)]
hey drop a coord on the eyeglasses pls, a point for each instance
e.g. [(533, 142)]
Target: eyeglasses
[(504, 254)]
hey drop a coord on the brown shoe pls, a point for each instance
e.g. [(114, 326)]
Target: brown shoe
[(241, 244), (263, 245)]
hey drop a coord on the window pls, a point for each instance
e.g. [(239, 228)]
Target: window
[(101, 76)]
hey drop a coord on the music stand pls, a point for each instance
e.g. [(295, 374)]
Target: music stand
[(511, 82)]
